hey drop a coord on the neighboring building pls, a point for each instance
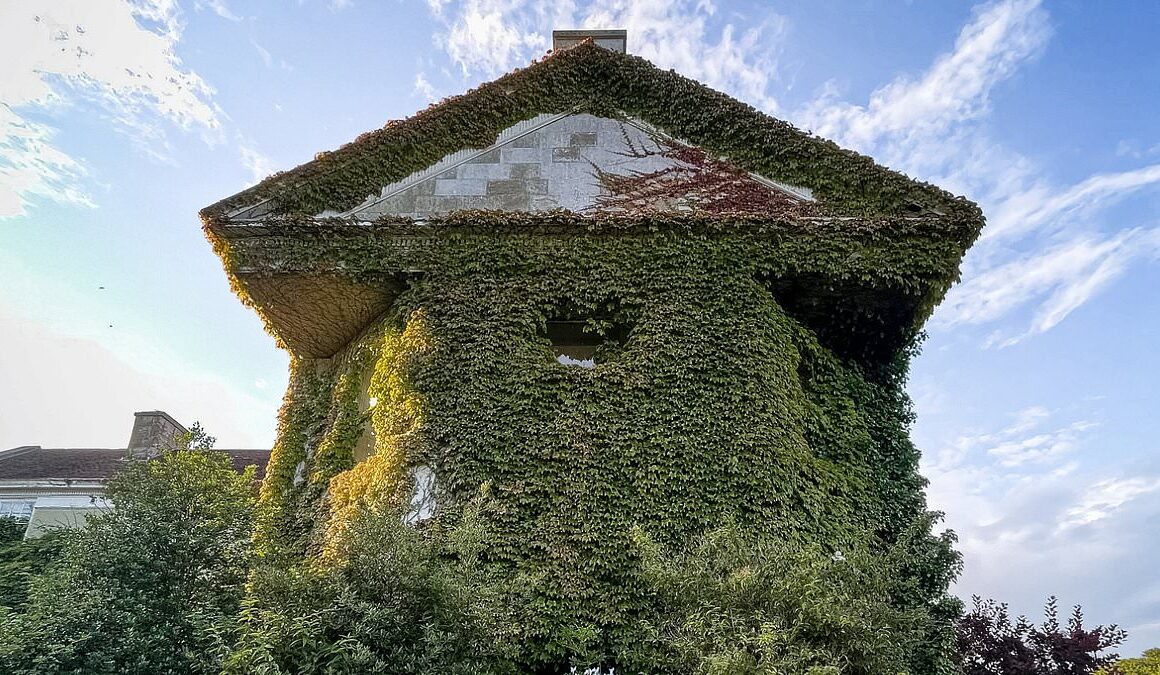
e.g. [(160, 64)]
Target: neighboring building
[(589, 303), (51, 487)]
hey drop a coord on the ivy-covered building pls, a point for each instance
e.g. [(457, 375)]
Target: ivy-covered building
[(588, 304)]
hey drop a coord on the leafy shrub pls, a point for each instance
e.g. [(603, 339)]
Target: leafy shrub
[(401, 602), (732, 606), (149, 586), (407, 601), (1148, 664), (21, 560), (990, 643)]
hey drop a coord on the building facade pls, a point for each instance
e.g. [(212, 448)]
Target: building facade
[(589, 303), (61, 487)]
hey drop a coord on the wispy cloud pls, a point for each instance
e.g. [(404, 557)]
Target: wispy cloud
[(1042, 206), (115, 54), (218, 7), (916, 112), (1103, 499), (31, 166), (425, 89), (1059, 279), (489, 37), (259, 165), (267, 58), (1020, 495), (1025, 441), (1046, 250)]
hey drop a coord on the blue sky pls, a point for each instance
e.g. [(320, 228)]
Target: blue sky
[(1037, 410)]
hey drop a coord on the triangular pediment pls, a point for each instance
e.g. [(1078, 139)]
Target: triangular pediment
[(588, 140), (578, 86), (584, 164)]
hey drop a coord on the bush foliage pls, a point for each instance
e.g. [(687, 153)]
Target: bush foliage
[(410, 601), (989, 642), (148, 587), (21, 560), (157, 586), (1148, 664)]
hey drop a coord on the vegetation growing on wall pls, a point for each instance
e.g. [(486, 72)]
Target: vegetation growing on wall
[(719, 408), (760, 389), (607, 83)]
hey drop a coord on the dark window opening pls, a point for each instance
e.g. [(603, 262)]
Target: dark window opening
[(584, 337)]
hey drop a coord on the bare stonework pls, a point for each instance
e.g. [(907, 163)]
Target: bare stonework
[(581, 163)]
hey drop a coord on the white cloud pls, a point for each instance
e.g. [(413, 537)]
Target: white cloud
[(425, 89), (1023, 442), (30, 165), (267, 58), (1019, 495), (489, 37), (955, 89), (933, 126), (1061, 279), (116, 54), (1039, 206), (1103, 499), (259, 165), (218, 7)]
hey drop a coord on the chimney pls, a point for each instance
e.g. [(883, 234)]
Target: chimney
[(616, 40), (153, 430)]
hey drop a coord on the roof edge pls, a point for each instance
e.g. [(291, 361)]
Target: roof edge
[(564, 79)]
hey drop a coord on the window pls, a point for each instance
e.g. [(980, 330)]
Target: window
[(18, 509), (583, 337), (366, 404), (422, 497)]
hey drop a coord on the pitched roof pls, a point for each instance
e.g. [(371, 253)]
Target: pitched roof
[(600, 81), (875, 252), (37, 463)]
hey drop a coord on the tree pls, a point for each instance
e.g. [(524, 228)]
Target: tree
[(990, 643), (21, 560), (149, 586), (732, 605), (1148, 664)]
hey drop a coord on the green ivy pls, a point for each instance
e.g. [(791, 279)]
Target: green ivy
[(719, 407), (601, 82), (761, 384)]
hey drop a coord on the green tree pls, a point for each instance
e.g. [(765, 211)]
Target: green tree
[(1148, 664), (21, 560), (150, 585)]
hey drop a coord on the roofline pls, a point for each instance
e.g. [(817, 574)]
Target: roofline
[(507, 93), (49, 482), (18, 450)]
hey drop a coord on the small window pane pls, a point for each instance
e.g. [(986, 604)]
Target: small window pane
[(20, 509)]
